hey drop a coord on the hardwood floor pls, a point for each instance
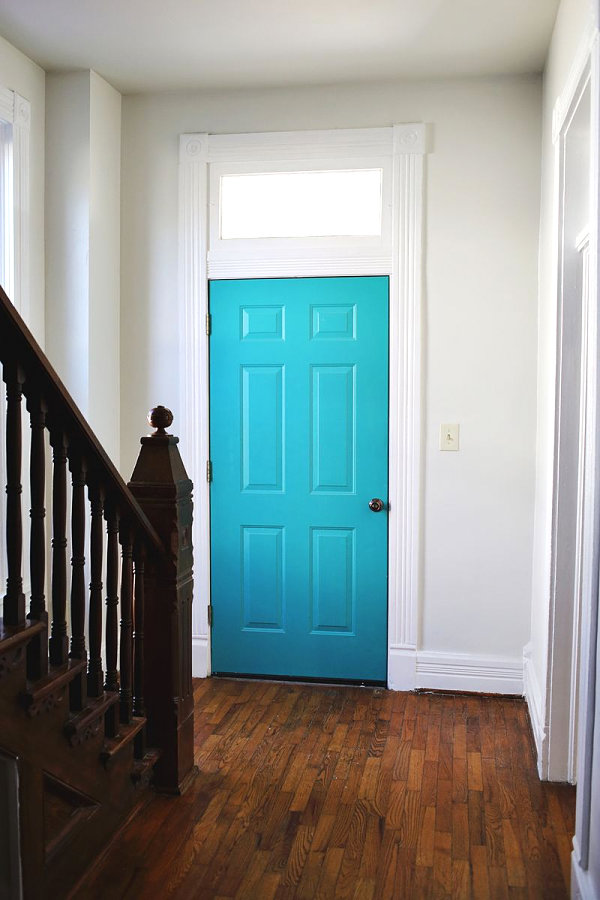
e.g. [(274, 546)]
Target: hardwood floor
[(334, 792)]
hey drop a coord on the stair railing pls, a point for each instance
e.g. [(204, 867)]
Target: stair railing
[(144, 577)]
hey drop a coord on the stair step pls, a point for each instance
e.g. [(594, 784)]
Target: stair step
[(10, 638), (48, 692), (143, 768), (86, 724), (113, 746), (13, 642)]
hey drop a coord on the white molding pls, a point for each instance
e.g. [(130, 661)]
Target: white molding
[(405, 403), (16, 110), (336, 144), (7, 105), (533, 696), (582, 241), (571, 503), (291, 266), (469, 672), (582, 887), (405, 146), (193, 425), (576, 81), (402, 668), (21, 130), (590, 575), (200, 660)]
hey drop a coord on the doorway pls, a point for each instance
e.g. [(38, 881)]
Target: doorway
[(393, 157), (576, 376)]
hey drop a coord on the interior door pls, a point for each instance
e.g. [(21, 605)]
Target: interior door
[(299, 448)]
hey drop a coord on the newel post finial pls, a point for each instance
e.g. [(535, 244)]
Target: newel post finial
[(162, 488), (160, 418)]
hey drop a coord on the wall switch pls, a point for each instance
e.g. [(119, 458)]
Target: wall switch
[(449, 437)]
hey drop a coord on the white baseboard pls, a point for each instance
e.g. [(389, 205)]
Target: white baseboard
[(533, 696), (402, 668), (582, 887), (200, 656), (468, 672), (409, 669)]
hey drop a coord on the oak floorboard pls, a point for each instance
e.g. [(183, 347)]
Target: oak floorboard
[(332, 792)]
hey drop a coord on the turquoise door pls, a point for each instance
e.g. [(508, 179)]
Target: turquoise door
[(299, 447)]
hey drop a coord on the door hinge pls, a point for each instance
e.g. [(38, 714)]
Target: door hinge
[(209, 615), (209, 470), (208, 323)]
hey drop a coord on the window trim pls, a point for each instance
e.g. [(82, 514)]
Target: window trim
[(16, 111), (221, 249)]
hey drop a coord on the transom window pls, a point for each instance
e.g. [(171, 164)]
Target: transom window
[(332, 203)]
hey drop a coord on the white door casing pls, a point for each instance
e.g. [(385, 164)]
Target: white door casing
[(399, 151)]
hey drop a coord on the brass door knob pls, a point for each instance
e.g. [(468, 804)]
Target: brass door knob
[(376, 505)]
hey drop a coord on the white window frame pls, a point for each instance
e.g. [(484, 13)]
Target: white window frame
[(400, 150), (280, 247), (16, 111)]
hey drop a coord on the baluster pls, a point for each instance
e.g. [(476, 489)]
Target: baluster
[(14, 600), (126, 645), (37, 650), (139, 559), (58, 640), (95, 675), (78, 470), (138, 637), (112, 599), (78, 473)]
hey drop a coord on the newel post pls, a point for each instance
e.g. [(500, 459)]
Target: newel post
[(162, 488)]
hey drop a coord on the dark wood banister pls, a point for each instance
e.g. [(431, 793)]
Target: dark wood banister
[(17, 343)]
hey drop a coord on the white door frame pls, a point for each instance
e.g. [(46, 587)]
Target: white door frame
[(581, 883), (403, 147), (573, 480)]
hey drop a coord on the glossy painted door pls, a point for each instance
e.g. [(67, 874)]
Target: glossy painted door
[(299, 446)]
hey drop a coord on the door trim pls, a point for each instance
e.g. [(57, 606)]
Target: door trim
[(402, 260)]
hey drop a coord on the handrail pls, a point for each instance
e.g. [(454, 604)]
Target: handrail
[(17, 344)]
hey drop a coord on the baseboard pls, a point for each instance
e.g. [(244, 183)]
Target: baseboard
[(582, 887), (200, 656), (468, 672), (533, 696), (409, 669), (402, 671)]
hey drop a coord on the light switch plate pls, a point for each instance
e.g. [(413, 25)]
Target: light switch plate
[(449, 435)]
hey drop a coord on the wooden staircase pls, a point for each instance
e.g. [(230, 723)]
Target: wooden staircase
[(96, 697)]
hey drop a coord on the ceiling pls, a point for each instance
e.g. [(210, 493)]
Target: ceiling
[(144, 45)]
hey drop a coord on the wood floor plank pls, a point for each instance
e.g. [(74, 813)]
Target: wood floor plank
[(309, 791)]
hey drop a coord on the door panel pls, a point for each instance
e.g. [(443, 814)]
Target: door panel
[(299, 438)]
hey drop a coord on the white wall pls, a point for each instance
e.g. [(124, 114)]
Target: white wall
[(571, 23), (67, 222), (20, 74), (483, 178), (105, 272), (83, 245)]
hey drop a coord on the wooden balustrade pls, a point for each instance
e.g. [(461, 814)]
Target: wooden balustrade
[(140, 572)]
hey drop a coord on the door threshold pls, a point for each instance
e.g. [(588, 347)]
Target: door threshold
[(300, 679)]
